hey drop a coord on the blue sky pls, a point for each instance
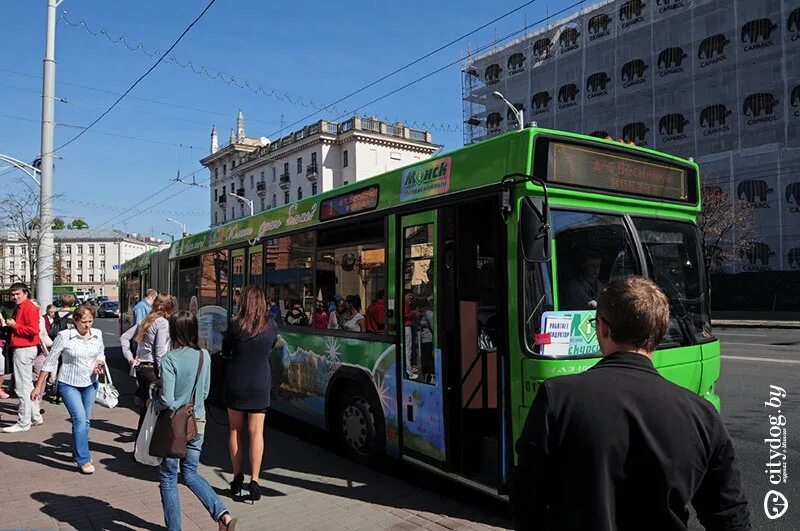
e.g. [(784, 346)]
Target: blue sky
[(312, 50)]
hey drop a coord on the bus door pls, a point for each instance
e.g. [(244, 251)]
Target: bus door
[(471, 283), (422, 388)]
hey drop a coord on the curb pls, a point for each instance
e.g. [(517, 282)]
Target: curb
[(786, 325)]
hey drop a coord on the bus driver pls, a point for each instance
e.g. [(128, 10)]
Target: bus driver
[(583, 289)]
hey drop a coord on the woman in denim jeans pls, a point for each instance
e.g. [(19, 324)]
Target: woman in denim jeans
[(83, 358), (178, 375)]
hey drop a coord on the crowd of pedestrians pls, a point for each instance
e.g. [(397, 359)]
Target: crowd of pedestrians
[(628, 463)]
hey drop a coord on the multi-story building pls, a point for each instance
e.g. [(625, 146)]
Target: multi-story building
[(87, 259), (716, 80), (316, 158)]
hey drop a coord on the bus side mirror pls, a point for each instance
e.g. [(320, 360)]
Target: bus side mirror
[(534, 230)]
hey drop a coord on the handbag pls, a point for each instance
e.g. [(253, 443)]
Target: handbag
[(142, 449), (107, 394), (175, 428)]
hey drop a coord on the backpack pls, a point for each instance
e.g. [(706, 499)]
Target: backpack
[(59, 323)]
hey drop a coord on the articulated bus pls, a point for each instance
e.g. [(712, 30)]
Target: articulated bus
[(476, 270)]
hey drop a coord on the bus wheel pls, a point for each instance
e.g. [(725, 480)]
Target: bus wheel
[(355, 427)]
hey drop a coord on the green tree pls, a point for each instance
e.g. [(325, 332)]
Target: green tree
[(58, 224), (78, 224)]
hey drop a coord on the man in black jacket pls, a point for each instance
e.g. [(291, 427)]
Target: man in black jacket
[(618, 447)]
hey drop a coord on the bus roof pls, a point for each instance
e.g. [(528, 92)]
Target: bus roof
[(481, 164)]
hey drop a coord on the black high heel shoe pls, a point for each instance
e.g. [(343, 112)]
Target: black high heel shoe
[(255, 491), (236, 485)]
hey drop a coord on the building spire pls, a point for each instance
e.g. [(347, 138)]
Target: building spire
[(214, 140), (240, 126)]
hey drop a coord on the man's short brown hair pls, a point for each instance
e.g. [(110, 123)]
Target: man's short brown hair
[(636, 310)]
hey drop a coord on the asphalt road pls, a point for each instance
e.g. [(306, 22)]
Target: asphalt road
[(753, 361)]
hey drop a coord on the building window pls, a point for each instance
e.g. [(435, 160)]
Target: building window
[(233, 164), (345, 159), (241, 183), (314, 158), (11, 251), (102, 277), (80, 264), (69, 264), (262, 203), (11, 265), (102, 249), (215, 194), (80, 249), (233, 213), (224, 170), (23, 264), (241, 211), (313, 188), (80, 277), (299, 164), (67, 249), (216, 218), (102, 264), (299, 193), (223, 191), (274, 173), (286, 197), (252, 181), (274, 201), (216, 173), (91, 264), (91, 277), (224, 216), (91, 249), (286, 168)]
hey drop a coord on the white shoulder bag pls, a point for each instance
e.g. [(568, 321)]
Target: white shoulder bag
[(107, 394)]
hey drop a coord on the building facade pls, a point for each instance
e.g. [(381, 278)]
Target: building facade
[(716, 80), (316, 158), (87, 259)]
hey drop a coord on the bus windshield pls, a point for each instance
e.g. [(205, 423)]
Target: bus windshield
[(592, 249), (672, 252)]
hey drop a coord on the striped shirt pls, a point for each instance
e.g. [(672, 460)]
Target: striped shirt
[(78, 355)]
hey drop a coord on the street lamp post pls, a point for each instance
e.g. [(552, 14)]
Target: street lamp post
[(44, 278), (518, 112), (171, 236), (249, 202), (181, 225), (29, 169)]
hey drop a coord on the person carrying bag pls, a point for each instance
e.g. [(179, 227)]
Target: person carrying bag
[(179, 430)]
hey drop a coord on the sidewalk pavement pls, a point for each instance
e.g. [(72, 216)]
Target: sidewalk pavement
[(305, 487), (754, 323)]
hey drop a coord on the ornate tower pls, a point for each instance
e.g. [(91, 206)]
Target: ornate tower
[(214, 140), (240, 127)]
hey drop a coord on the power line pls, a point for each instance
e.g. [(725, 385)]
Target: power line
[(459, 60), (407, 65), (174, 44)]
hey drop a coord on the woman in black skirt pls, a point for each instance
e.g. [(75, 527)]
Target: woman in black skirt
[(246, 345)]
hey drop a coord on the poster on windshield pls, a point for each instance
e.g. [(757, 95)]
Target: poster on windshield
[(568, 333)]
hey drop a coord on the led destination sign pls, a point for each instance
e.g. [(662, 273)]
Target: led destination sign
[(582, 166), (348, 204)]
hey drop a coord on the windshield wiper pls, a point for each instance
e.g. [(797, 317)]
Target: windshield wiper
[(681, 317)]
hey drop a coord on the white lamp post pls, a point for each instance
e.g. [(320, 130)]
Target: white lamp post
[(518, 112), (249, 202), (181, 225)]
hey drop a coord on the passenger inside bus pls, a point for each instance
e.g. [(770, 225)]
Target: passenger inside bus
[(582, 289), (422, 329)]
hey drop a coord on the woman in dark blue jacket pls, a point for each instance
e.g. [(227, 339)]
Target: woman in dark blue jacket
[(246, 345)]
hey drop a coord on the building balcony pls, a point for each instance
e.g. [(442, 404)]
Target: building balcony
[(223, 199), (261, 188), (285, 181), (240, 192), (312, 171)]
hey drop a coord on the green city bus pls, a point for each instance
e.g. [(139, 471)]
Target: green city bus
[(471, 268)]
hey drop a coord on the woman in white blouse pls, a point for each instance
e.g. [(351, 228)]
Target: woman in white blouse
[(83, 357)]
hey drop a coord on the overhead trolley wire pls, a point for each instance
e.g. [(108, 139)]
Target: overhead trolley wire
[(135, 83)]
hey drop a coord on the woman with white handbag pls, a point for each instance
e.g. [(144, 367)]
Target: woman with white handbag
[(83, 360)]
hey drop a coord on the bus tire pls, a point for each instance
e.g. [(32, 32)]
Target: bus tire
[(354, 426)]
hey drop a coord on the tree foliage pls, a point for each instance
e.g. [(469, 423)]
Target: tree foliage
[(58, 224), (727, 226), (78, 224)]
